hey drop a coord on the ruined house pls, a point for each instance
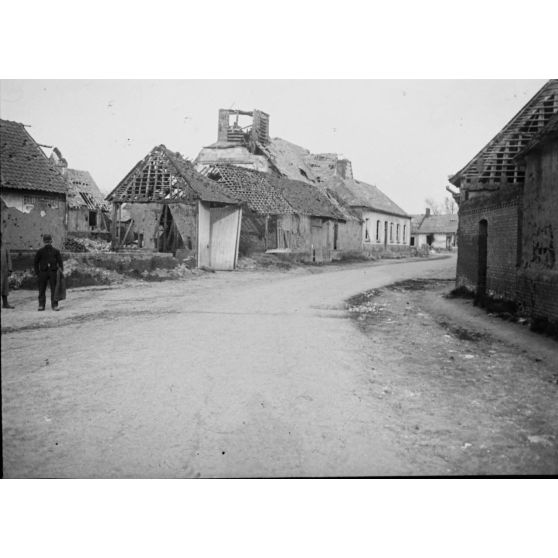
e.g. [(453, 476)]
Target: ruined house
[(508, 201), (33, 192), (173, 208), (435, 231), (281, 214), (88, 212), (248, 144)]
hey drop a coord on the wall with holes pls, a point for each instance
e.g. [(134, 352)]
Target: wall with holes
[(538, 274), (24, 225)]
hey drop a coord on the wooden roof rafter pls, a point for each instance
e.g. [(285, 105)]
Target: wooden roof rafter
[(496, 163), (165, 177)]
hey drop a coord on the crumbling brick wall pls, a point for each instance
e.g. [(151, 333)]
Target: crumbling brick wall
[(502, 211), (538, 275)]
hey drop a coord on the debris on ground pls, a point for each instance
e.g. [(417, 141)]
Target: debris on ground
[(74, 244)]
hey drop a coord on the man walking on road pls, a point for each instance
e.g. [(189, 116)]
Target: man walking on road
[(48, 261)]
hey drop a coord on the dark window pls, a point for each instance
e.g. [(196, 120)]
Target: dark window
[(92, 218)]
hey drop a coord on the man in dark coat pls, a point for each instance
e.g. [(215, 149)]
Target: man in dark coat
[(48, 261)]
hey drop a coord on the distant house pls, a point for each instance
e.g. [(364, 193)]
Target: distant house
[(88, 211), (435, 231), (281, 214), (33, 192), (508, 207), (172, 207), (244, 141), (385, 226)]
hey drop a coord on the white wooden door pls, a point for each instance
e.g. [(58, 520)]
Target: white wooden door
[(225, 223)]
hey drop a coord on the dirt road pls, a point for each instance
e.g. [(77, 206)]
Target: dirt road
[(227, 375)]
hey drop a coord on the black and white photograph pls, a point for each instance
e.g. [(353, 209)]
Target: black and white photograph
[(239, 292), (278, 279)]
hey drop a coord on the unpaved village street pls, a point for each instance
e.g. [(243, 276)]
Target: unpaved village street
[(268, 373)]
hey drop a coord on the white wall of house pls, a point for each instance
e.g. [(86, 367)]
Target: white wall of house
[(380, 229), (439, 241)]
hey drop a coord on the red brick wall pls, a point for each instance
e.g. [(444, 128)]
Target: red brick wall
[(502, 212), (538, 275)]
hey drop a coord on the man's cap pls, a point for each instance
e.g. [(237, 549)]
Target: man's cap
[(47, 238)]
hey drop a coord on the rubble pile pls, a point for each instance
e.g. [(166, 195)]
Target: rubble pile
[(74, 245), (95, 245)]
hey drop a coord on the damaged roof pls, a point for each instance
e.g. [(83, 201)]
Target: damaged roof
[(288, 159), (23, 164), (306, 199), (267, 194), (548, 133), (166, 176), (250, 187), (361, 194), (83, 190), (496, 164), (431, 224)]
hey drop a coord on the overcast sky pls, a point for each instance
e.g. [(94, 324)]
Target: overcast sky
[(405, 136)]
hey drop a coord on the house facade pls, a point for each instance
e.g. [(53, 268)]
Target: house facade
[(385, 226), (32, 190), (169, 207), (438, 232), (505, 206)]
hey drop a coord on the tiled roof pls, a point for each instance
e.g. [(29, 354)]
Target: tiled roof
[(250, 187), (265, 193), (305, 198), (83, 191), (23, 164), (433, 224), (166, 176), (361, 194)]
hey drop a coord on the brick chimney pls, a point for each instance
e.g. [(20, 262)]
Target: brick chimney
[(427, 214)]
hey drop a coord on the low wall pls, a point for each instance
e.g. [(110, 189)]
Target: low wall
[(122, 262)]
